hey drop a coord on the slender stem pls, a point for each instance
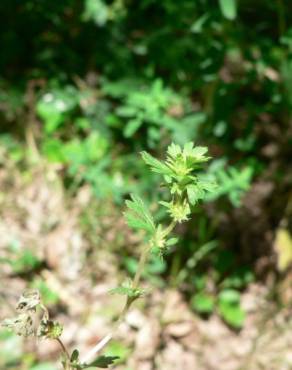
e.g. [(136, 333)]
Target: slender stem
[(169, 229), (145, 254), (62, 345), (174, 270), (64, 349), (122, 315), (141, 265)]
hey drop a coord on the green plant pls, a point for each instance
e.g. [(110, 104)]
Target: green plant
[(228, 8), (230, 309), (27, 323), (219, 289), (105, 72), (232, 181), (182, 178), (154, 109), (226, 303), (19, 259)]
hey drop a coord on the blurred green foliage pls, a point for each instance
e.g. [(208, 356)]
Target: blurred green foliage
[(20, 260), (85, 85)]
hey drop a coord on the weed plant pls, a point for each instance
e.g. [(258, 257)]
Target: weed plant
[(185, 185)]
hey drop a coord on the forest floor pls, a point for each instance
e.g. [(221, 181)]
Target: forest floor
[(40, 222)]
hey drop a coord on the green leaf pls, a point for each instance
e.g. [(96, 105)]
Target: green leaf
[(194, 194), (136, 223), (52, 107), (132, 126), (194, 155), (138, 215), (156, 165), (197, 152), (172, 241), (208, 184), (119, 349), (230, 296), (173, 150), (74, 356), (232, 314), (198, 25), (203, 303), (127, 111), (128, 291), (102, 362), (233, 182), (228, 8), (53, 150), (229, 308)]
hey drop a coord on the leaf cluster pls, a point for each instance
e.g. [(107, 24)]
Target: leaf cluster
[(232, 182), (129, 291), (181, 173), (139, 217)]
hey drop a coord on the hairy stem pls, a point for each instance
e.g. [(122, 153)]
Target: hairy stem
[(64, 349), (144, 256), (141, 266), (169, 229)]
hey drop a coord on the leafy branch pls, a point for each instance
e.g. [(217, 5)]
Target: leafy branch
[(181, 173)]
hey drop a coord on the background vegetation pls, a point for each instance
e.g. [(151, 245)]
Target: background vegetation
[(88, 84)]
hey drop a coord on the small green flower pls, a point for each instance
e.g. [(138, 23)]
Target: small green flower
[(179, 212), (158, 240), (49, 329)]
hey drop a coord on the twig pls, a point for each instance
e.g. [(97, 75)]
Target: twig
[(99, 346), (64, 349)]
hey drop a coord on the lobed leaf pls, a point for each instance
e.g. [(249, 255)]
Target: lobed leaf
[(102, 362), (173, 150), (156, 165), (138, 215), (194, 194)]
